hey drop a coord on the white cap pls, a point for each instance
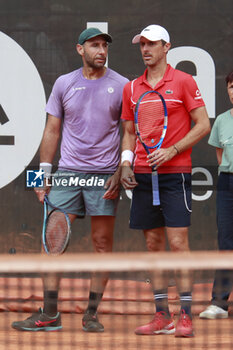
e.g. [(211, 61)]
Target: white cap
[(153, 32)]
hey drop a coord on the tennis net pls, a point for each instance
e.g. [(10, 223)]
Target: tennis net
[(127, 302)]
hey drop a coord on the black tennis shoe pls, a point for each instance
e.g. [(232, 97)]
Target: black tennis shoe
[(91, 323), (39, 321)]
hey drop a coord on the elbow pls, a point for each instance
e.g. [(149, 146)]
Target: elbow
[(207, 124), (208, 128)]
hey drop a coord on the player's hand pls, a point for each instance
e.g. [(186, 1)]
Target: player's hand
[(160, 156), (41, 192), (112, 186), (128, 180)]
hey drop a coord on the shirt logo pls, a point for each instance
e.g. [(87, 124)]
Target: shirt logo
[(198, 95), (168, 92), (110, 90), (79, 88)]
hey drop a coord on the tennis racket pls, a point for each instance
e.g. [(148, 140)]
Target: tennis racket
[(56, 229), (150, 118)]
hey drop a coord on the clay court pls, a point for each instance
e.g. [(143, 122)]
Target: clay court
[(126, 303), (119, 334)]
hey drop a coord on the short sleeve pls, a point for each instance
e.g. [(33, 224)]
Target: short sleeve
[(191, 94), (127, 110), (54, 105), (214, 135)]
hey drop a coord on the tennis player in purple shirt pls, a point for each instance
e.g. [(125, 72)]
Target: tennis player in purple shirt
[(84, 110)]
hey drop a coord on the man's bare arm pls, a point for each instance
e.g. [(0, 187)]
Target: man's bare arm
[(199, 130), (50, 139), (128, 143), (48, 147)]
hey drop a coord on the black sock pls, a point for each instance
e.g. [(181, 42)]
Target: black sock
[(94, 300), (50, 302), (161, 300), (186, 302)]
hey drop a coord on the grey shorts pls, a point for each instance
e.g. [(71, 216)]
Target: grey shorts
[(81, 194)]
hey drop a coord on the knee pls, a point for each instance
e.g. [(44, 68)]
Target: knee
[(155, 240), (102, 243), (179, 244), (154, 245)]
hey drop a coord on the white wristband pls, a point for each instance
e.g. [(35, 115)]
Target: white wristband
[(127, 155), (47, 168)]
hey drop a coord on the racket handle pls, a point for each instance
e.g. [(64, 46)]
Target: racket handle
[(155, 188), (44, 225)]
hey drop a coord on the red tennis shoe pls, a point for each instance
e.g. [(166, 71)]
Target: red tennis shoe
[(184, 327), (161, 324)]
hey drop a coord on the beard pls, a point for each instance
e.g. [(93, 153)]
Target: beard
[(94, 62)]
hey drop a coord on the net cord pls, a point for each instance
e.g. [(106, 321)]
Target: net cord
[(132, 261)]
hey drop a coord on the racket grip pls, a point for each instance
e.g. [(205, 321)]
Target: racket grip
[(155, 188)]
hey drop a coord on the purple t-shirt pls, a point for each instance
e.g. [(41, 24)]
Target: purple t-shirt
[(91, 112)]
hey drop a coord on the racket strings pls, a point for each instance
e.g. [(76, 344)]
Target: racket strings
[(151, 120), (56, 232)]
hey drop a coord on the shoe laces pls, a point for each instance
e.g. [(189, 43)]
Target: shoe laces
[(36, 314), (185, 319), (214, 308), (89, 316), (159, 317)]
